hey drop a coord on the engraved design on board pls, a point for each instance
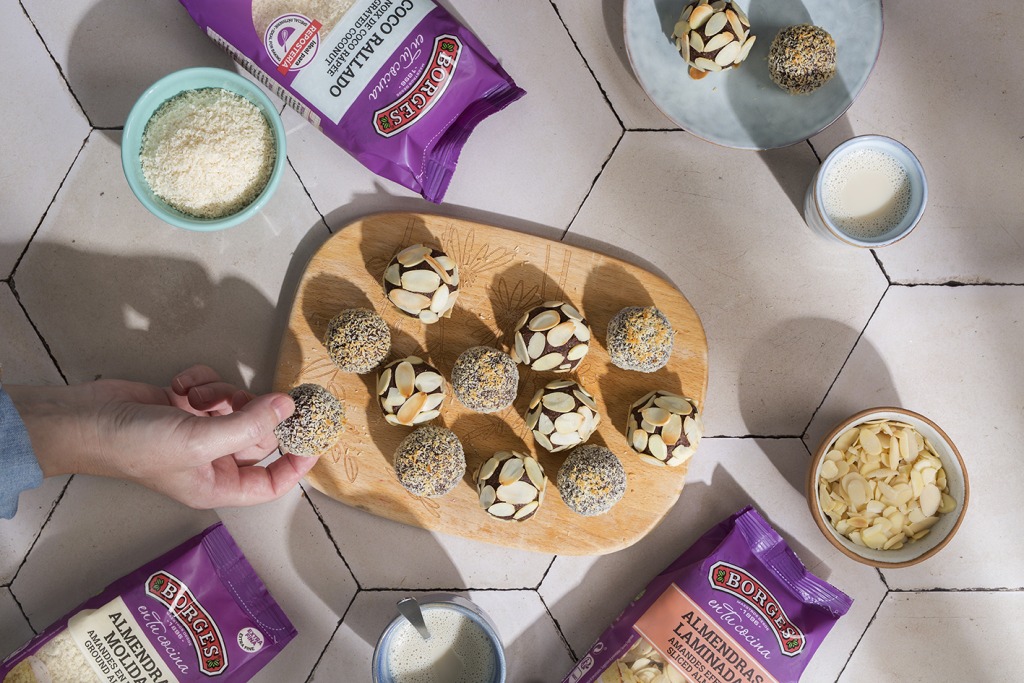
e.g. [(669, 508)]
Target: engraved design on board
[(473, 260), (430, 506)]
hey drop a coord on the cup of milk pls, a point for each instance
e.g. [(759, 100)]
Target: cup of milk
[(463, 647), (870, 192)]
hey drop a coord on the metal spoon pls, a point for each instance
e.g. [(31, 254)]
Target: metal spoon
[(410, 609)]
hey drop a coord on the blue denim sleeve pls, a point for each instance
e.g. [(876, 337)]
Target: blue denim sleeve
[(19, 469)]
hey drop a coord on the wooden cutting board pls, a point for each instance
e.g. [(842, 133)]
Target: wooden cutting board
[(503, 273)]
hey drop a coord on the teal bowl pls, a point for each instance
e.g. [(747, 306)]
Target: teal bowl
[(163, 90)]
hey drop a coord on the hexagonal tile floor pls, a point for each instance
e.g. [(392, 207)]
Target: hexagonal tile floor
[(801, 332)]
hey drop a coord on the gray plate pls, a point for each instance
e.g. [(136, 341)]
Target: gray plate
[(741, 107)]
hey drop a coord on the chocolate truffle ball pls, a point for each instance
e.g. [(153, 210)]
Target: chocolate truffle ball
[(640, 339), (511, 486), (485, 379), (802, 58), (430, 461), (712, 36), (591, 480), (422, 282), (664, 428), (552, 336), (357, 340), (410, 391), (316, 424), (562, 415)]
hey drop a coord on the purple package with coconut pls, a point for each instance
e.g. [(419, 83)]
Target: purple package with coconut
[(398, 84), (197, 611), (737, 606)]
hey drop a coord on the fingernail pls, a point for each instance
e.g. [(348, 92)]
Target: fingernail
[(202, 395), (283, 407)]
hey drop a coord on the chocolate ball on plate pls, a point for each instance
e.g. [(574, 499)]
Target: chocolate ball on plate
[(552, 336), (664, 428), (712, 36), (591, 480), (410, 391), (430, 461), (561, 415), (485, 379), (422, 282), (802, 58), (640, 339), (316, 424), (511, 486), (357, 340)]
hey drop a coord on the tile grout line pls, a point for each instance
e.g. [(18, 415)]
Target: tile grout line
[(587, 64), (46, 346), (597, 177), (857, 644), (46, 211), (308, 195), (906, 591), (330, 640), (558, 628), (469, 589), (60, 71), (330, 537), (845, 361), (545, 574)]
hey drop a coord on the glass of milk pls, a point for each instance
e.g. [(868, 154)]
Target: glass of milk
[(463, 647), (870, 192)]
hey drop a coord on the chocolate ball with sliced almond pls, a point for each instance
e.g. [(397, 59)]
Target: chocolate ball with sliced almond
[(410, 391), (664, 428), (553, 336), (422, 282), (561, 415), (713, 36), (511, 486)]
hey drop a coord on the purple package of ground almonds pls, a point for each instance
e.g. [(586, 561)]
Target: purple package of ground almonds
[(398, 84), (737, 607), (198, 612)]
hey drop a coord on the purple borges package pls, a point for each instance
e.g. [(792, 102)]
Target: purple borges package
[(197, 612), (398, 84), (737, 607)]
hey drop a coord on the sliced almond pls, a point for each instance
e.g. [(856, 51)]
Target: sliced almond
[(559, 402), (487, 496), (657, 448), (411, 408), (428, 317), (425, 416), (548, 362), (527, 510), (422, 281), (545, 424), (535, 348), (429, 381), (714, 24), (675, 404), (414, 255), (543, 441), (571, 311), (639, 440), (577, 352), (931, 498), (565, 440), (745, 51), (568, 423), (394, 275), (728, 54), (696, 42), (511, 471), (700, 15), (502, 510), (672, 430), (384, 381), (410, 302), (656, 416), (521, 351), (405, 378), (535, 473), (585, 398), (440, 300), (734, 22), (561, 333), (706, 64), (544, 321)]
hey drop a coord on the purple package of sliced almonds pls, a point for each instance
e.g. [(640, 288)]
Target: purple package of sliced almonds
[(737, 607), (398, 84), (196, 612)]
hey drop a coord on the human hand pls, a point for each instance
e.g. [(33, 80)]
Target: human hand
[(197, 441)]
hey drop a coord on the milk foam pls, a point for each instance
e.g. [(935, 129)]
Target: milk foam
[(458, 651), (866, 193)]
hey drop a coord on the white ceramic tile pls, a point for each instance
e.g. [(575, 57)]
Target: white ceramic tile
[(964, 124), (387, 554), (532, 162), (585, 594), (953, 637), (112, 50), (780, 306), (118, 293), (25, 362), (952, 354), (597, 29), (43, 131), (15, 631), (533, 650), (110, 527)]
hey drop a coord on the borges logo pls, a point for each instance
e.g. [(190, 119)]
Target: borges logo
[(205, 635), (740, 583), (419, 99)]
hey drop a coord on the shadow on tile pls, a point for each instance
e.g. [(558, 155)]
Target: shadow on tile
[(162, 39), (762, 416)]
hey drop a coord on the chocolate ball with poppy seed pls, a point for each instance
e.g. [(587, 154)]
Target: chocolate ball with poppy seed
[(430, 461), (591, 480), (315, 426), (485, 379), (802, 58), (422, 282), (357, 340), (640, 338), (553, 336)]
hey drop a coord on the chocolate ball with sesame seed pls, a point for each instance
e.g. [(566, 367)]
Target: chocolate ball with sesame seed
[(430, 461), (315, 426), (591, 480), (485, 379), (357, 340), (640, 338), (802, 58)]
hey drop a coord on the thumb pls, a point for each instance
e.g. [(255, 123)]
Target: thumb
[(253, 424)]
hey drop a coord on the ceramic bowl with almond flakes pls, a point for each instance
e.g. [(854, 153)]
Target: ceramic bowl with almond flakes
[(888, 487)]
